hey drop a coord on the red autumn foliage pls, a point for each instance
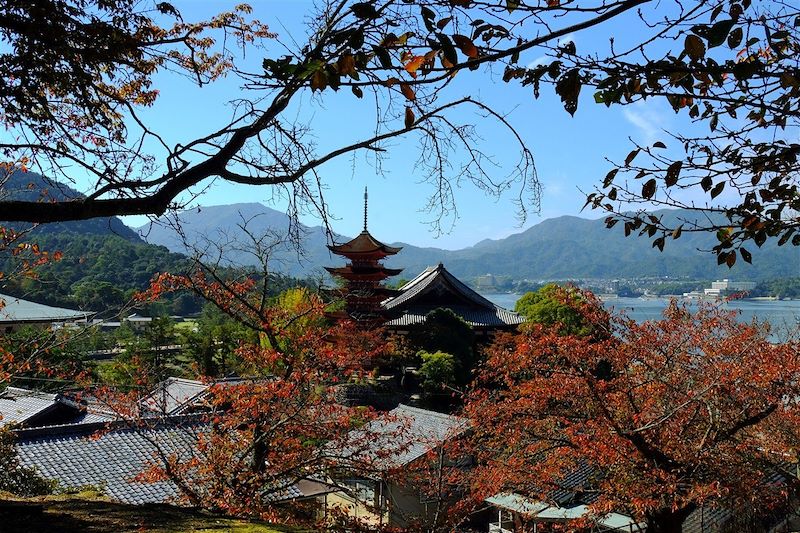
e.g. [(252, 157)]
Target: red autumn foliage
[(693, 409), (280, 423)]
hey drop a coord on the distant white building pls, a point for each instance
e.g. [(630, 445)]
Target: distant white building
[(725, 287)]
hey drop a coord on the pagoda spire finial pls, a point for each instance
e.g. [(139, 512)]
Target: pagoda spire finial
[(365, 208)]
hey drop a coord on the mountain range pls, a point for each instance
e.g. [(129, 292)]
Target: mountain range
[(557, 248)]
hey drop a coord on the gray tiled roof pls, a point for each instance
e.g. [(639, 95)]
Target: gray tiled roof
[(173, 394), (34, 408), (576, 487), (407, 433), (19, 310), (75, 456), (19, 405), (718, 519), (111, 456), (496, 317), (406, 309), (431, 278), (706, 519), (179, 396)]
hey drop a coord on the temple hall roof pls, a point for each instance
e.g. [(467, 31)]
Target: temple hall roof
[(434, 288)]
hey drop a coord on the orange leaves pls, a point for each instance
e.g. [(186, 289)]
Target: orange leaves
[(408, 92), (466, 45), (413, 64), (319, 80), (346, 65), (646, 409)]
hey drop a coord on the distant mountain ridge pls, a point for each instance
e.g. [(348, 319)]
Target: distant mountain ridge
[(557, 248), (209, 230)]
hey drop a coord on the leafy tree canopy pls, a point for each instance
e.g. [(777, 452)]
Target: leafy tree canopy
[(444, 331), (692, 410), (438, 370), (554, 305)]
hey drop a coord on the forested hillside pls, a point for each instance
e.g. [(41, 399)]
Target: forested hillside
[(95, 272), (573, 247)]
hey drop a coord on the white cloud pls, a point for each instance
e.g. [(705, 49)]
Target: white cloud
[(553, 188), (650, 121)]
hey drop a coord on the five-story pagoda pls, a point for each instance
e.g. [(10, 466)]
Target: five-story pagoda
[(363, 275)]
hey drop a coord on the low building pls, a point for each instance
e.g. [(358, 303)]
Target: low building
[(113, 456), (385, 497), (110, 458), (519, 513), (180, 396), (175, 396), (16, 313), (28, 408)]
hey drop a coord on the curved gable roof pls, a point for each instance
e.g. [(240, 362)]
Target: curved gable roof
[(435, 278)]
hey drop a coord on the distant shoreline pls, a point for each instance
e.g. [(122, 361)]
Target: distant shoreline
[(655, 297)]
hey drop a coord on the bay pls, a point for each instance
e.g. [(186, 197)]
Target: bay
[(783, 315)]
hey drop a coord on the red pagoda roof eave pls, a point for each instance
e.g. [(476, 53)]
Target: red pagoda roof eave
[(376, 254), (349, 273), (364, 243)]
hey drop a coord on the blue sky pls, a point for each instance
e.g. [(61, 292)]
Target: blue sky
[(569, 151)]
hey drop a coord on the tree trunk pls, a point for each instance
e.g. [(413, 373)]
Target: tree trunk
[(259, 462), (669, 520)]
